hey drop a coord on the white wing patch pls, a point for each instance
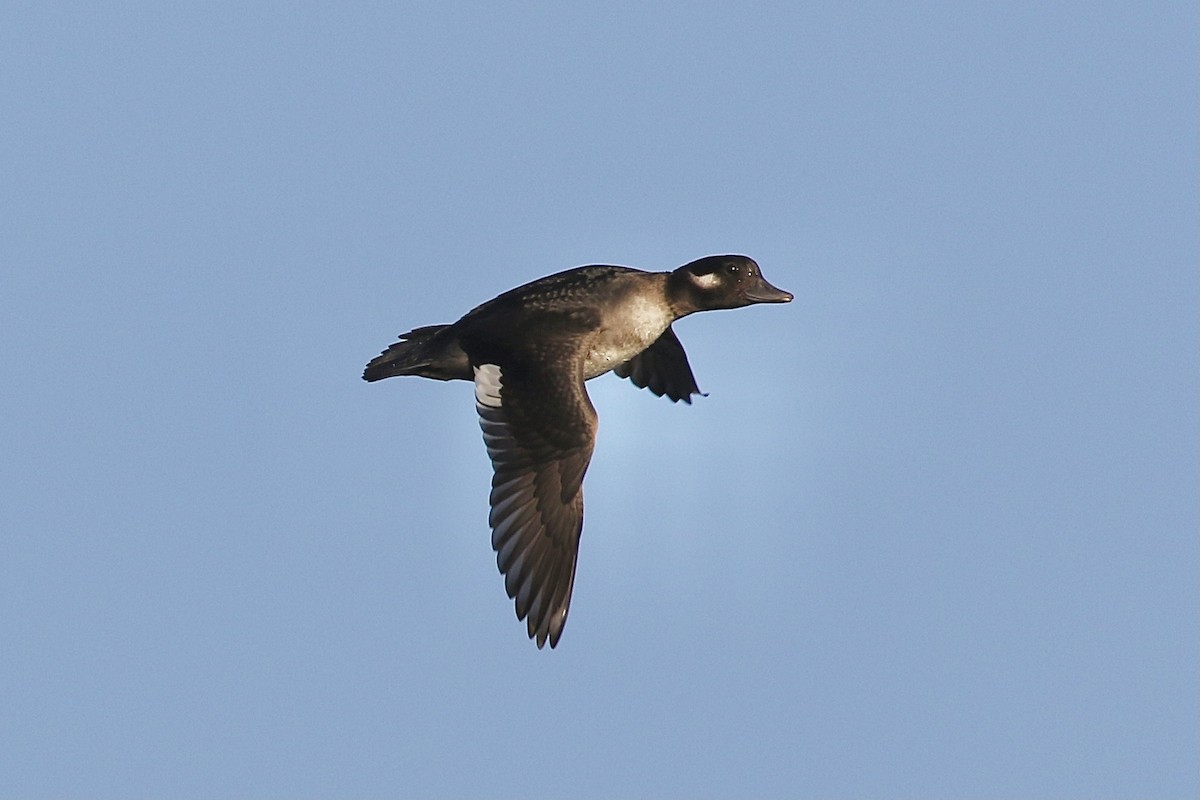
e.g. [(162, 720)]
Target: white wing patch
[(487, 385)]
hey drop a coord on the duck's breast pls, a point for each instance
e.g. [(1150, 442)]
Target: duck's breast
[(629, 324)]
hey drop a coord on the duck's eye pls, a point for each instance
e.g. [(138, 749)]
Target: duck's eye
[(733, 269)]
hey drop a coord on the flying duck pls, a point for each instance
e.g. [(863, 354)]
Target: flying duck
[(528, 352)]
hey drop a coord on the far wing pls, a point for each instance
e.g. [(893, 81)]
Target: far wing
[(663, 369)]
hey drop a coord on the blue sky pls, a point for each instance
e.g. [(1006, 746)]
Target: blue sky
[(934, 533)]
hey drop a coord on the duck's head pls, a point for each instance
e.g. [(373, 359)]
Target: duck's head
[(716, 282)]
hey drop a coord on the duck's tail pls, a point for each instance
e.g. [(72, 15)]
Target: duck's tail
[(427, 351)]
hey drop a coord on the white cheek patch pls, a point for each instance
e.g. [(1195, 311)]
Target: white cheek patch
[(487, 385), (709, 280)]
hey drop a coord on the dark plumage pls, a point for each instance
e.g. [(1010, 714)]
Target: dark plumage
[(529, 351)]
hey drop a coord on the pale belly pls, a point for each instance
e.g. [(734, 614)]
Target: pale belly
[(628, 330)]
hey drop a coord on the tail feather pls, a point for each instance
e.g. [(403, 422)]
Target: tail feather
[(425, 351)]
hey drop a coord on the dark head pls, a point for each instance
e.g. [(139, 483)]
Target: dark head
[(721, 282)]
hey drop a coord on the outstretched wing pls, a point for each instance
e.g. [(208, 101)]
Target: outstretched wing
[(663, 369), (540, 428)]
